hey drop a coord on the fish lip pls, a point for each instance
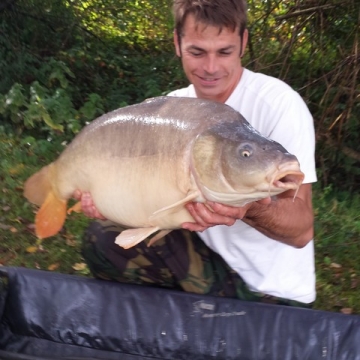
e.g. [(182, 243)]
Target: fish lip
[(287, 176), (289, 180)]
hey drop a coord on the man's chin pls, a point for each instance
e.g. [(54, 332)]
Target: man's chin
[(210, 94)]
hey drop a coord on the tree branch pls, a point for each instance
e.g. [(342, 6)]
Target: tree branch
[(305, 11)]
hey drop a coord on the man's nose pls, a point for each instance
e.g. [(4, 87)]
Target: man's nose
[(210, 64)]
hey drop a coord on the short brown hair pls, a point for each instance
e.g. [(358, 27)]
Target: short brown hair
[(230, 14)]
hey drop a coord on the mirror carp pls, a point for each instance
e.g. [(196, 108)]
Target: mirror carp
[(142, 163)]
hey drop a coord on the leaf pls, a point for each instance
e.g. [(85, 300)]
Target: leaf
[(335, 266), (70, 241), (79, 266), (31, 227), (92, 107), (47, 118), (354, 283), (347, 311), (4, 226), (31, 249), (16, 169), (15, 96), (53, 267)]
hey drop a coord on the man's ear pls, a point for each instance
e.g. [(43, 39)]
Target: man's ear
[(177, 44), (244, 42)]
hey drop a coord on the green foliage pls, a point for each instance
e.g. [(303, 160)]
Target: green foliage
[(313, 46), (337, 234), (133, 22), (48, 106), (65, 62), (93, 57), (20, 158)]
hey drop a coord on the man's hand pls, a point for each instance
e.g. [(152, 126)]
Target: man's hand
[(87, 205), (211, 213), (288, 217)]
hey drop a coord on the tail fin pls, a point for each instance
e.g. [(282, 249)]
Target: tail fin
[(51, 216), (52, 213)]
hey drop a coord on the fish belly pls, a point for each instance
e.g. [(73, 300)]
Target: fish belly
[(129, 191)]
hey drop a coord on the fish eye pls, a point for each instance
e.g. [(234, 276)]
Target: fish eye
[(245, 150)]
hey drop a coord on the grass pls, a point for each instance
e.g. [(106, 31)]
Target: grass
[(19, 159), (337, 228), (337, 240)]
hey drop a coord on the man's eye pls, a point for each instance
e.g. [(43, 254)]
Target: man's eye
[(196, 53), (225, 53)]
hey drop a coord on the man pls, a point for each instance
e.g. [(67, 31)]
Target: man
[(262, 251)]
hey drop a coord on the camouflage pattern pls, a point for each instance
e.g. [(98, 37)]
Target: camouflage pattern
[(180, 260)]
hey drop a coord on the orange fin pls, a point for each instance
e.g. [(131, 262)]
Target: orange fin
[(173, 208), (76, 208), (131, 237), (50, 217)]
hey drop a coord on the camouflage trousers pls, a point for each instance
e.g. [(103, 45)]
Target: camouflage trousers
[(180, 260)]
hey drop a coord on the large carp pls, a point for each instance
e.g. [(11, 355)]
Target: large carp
[(144, 162)]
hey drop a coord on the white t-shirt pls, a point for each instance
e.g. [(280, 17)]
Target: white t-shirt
[(268, 266)]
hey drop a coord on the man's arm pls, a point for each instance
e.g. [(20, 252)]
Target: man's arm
[(286, 218)]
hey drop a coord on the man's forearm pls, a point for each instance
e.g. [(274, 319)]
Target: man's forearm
[(286, 219)]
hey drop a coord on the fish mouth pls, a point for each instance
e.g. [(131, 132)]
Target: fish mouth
[(289, 181), (288, 177)]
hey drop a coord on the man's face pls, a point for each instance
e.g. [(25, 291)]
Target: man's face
[(211, 60)]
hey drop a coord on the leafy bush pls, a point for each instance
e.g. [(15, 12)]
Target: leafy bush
[(64, 63), (48, 107), (313, 46)]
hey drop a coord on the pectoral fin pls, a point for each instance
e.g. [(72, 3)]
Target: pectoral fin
[(76, 208), (158, 236), (171, 209), (130, 237), (50, 217)]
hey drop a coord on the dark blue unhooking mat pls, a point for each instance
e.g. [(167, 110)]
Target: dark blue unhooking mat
[(45, 315)]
